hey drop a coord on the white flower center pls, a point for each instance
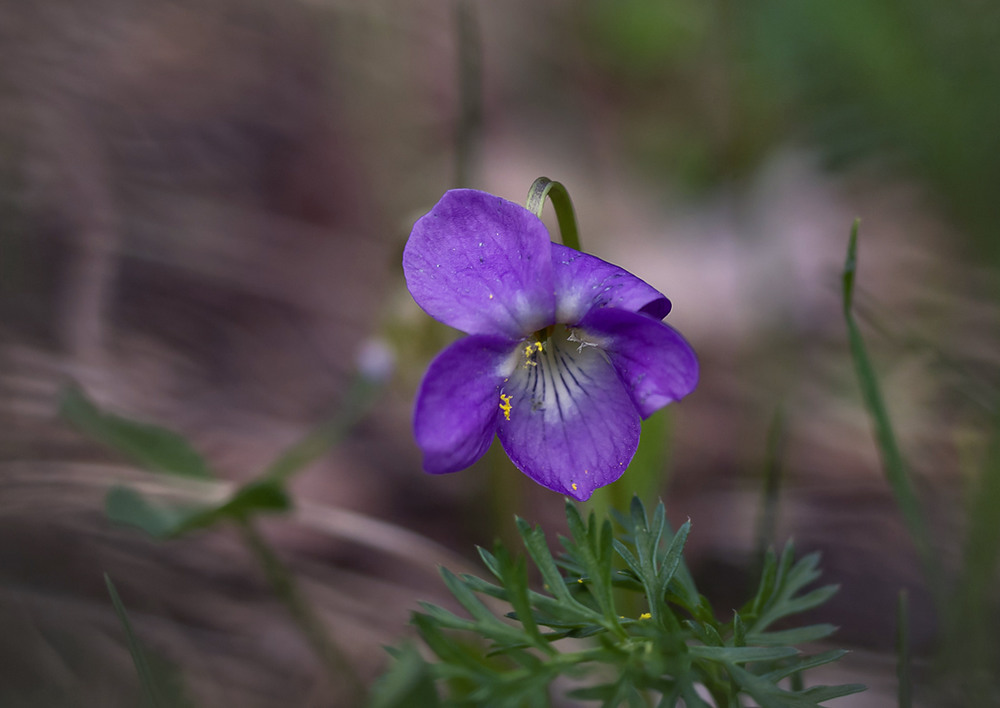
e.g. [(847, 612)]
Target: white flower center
[(553, 374)]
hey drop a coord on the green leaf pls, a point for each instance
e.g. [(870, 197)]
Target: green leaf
[(768, 580), (486, 623), (739, 631), (467, 598), (822, 694), (651, 562), (741, 655), (124, 505), (260, 496), (793, 606), (777, 596), (155, 448), (768, 695), (671, 560), (490, 561), (789, 637), (445, 618), (645, 658), (538, 549), (408, 682), (514, 575), (804, 663), (161, 683), (591, 548), (454, 655)]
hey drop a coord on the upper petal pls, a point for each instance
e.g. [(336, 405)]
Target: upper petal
[(458, 402), (584, 282), (481, 264), (572, 427), (657, 365)]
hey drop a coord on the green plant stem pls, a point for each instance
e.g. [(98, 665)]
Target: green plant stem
[(505, 495), (543, 188), (287, 590), (358, 401), (767, 519)]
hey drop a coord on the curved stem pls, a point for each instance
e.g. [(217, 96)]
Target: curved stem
[(544, 187)]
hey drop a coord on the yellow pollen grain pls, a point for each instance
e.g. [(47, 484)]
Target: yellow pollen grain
[(505, 405), (529, 351), (491, 296), (573, 486), (645, 616)]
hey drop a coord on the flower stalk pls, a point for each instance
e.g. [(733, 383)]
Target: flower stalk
[(543, 188)]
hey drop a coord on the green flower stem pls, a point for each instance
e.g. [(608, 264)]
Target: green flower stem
[(767, 516), (287, 590), (544, 187), (506, 493)]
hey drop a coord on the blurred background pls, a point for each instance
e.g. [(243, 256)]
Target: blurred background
[(202, 212)]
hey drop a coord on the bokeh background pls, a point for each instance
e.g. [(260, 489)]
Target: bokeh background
[(202, 212)]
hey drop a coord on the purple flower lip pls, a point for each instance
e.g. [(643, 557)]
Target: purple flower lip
[(565, 354)]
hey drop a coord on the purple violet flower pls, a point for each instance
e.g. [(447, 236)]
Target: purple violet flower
[(565, 352)]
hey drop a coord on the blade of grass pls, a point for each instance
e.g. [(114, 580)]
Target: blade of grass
[(893, 464), (147, 680)]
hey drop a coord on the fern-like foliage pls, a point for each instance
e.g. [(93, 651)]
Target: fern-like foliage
[(574, 642)]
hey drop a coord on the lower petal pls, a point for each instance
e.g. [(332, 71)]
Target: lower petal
[(571, 426), (457, 405), (657, 365)]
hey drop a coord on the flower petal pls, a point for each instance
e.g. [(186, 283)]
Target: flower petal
[(481, 264), (584, 282), (571, 426), (457, 405), (657, 365)]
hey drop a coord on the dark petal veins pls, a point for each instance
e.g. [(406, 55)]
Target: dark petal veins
[(572, 426), (481, 264), (458, 402), (584, 282)]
